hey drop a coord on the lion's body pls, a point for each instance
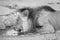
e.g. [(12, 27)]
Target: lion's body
[(55, 20), (50, 20)]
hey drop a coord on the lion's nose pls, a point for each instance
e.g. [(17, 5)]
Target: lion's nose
[(19, 30)]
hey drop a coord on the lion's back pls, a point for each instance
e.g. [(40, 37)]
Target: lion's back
[(55, 20)]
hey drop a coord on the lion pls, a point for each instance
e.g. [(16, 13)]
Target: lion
[(42, 19)]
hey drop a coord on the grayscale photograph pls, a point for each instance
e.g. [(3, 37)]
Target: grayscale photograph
[(29, 19)]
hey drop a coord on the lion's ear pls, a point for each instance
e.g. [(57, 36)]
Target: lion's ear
[(26, 13)]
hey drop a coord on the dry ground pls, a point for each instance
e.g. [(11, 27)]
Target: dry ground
[(55, 36)]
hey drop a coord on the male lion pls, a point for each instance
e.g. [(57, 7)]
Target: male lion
[(43, 19)]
